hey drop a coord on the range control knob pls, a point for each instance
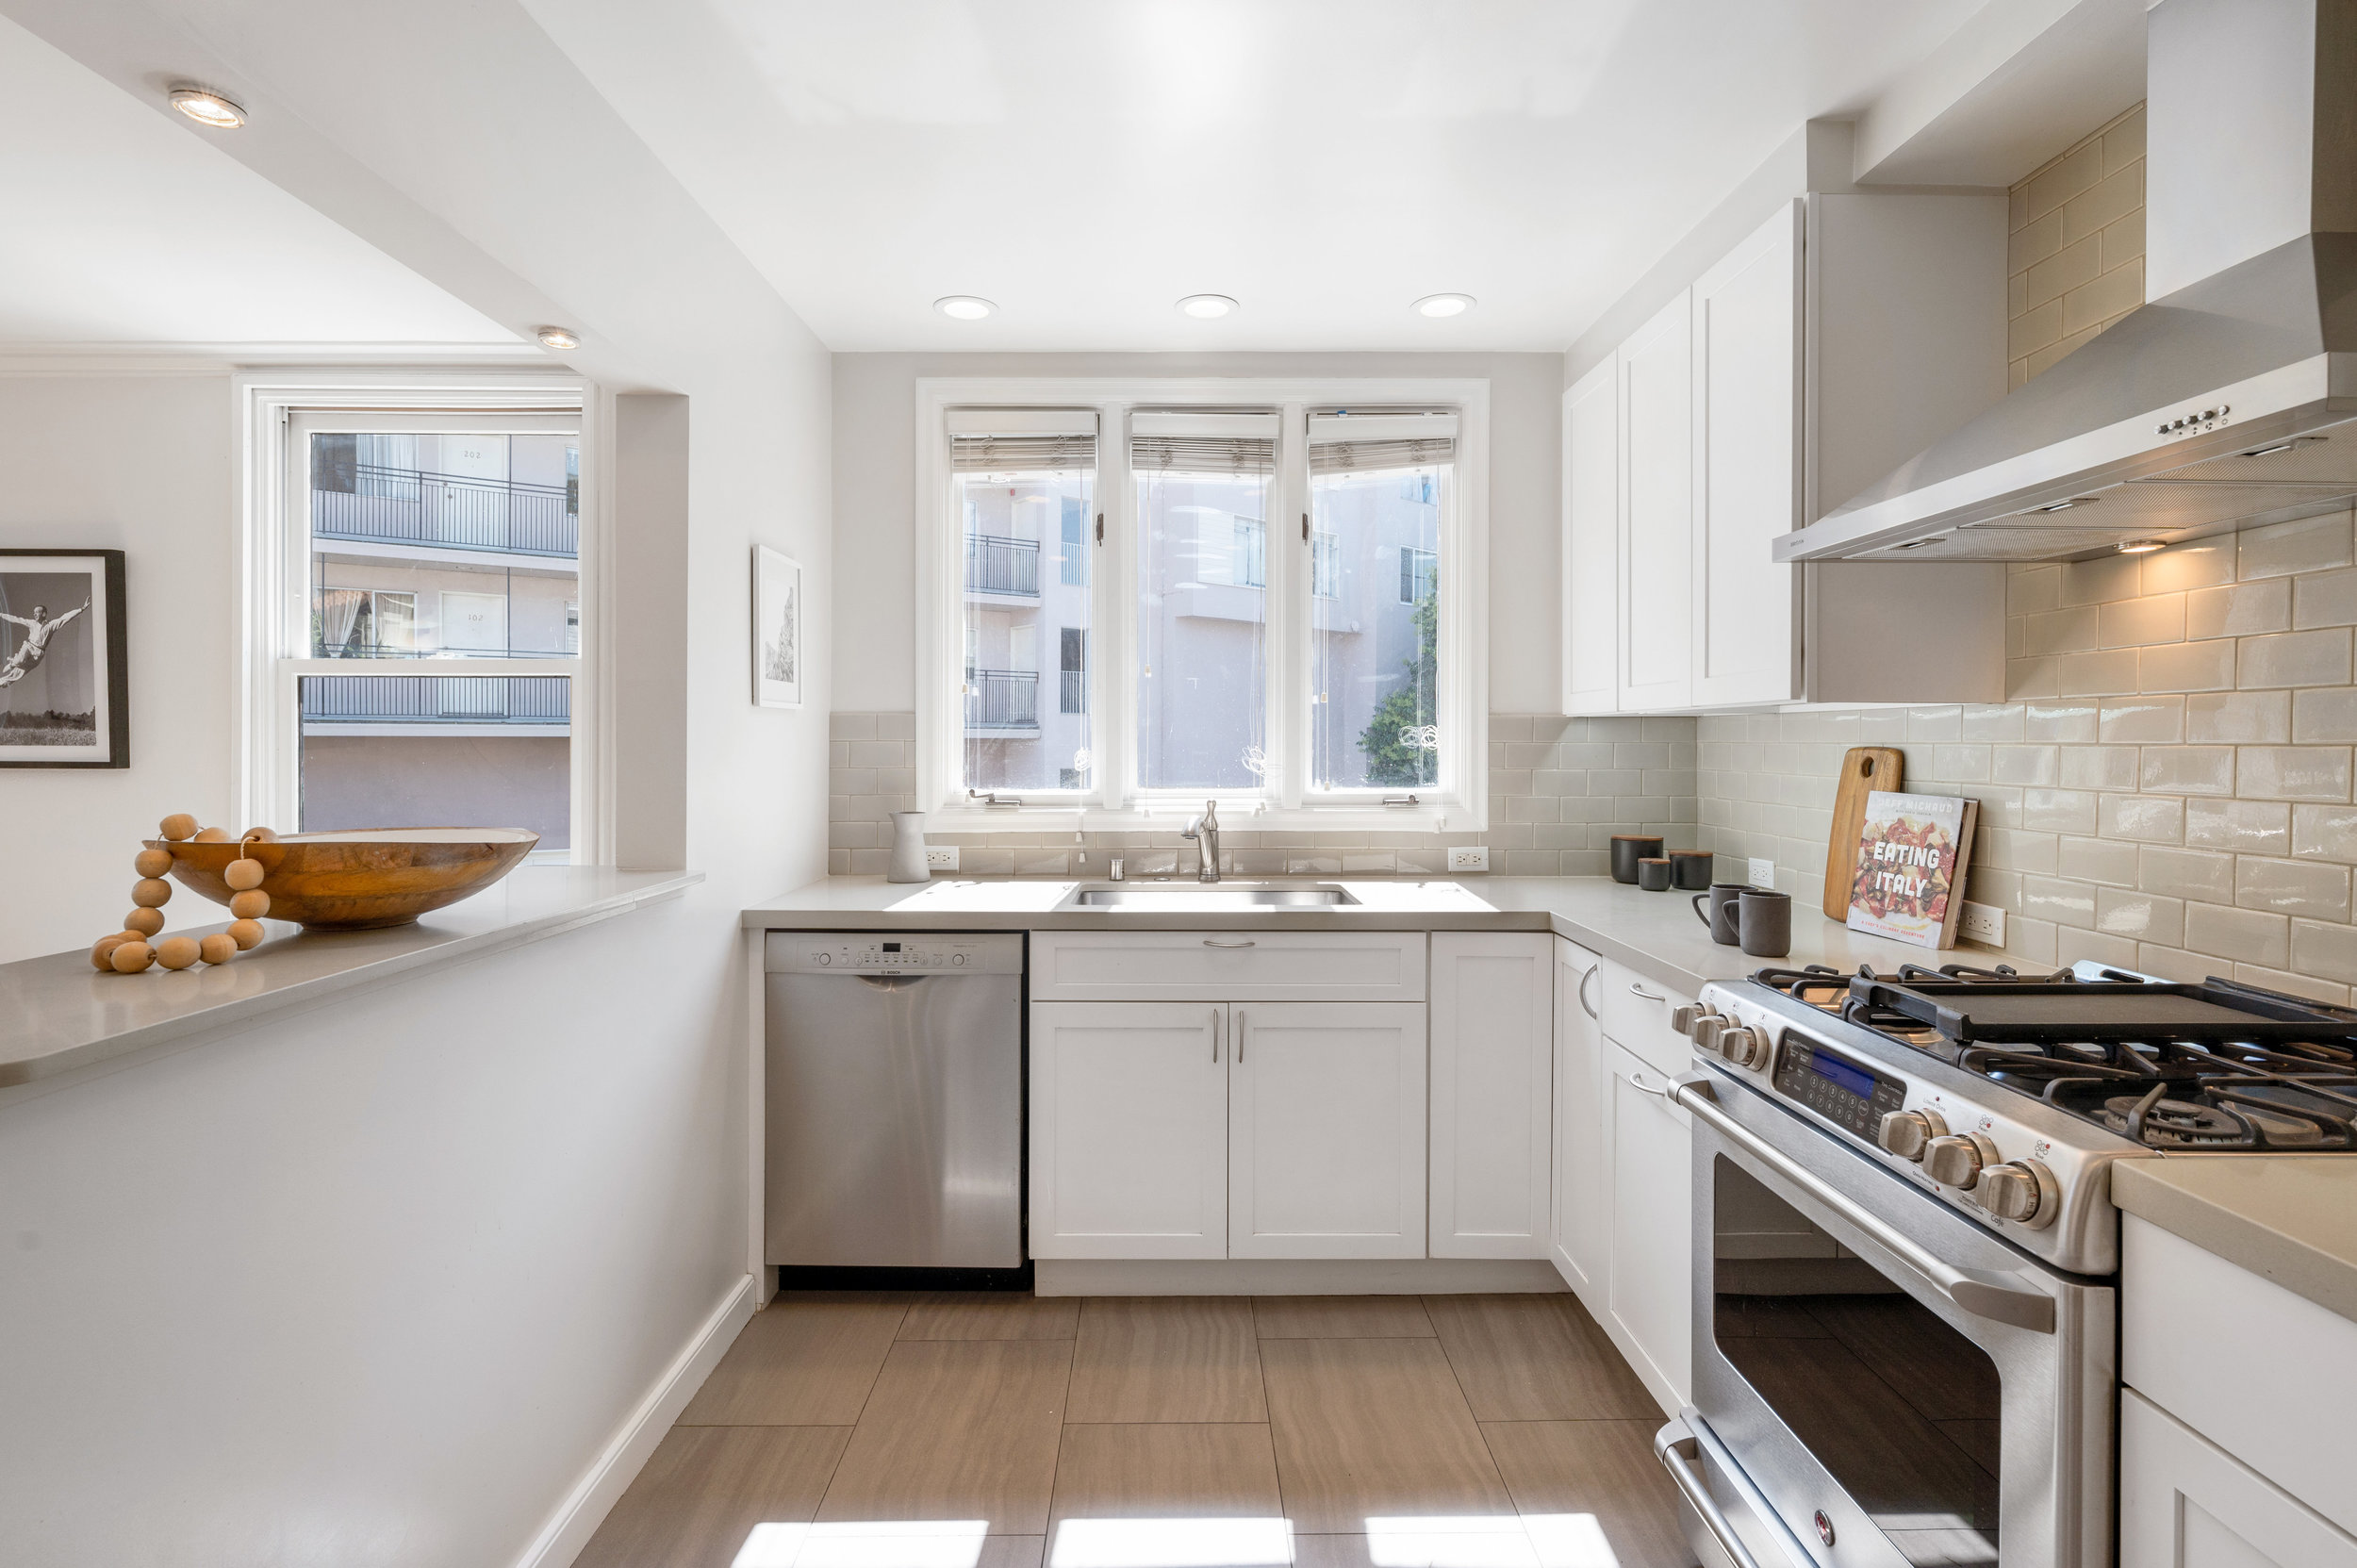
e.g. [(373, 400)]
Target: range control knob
[(1745, 1048), (1707, 1028), (2023, 1191), (1905, 1133), (1955, 1161), (1684, 1019)]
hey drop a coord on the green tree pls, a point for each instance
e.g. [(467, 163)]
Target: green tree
[(1391, 761)]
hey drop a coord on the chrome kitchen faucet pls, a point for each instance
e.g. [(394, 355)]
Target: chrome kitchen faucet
[(1204, 830)]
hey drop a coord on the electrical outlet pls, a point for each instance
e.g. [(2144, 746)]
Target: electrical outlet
[(1983, 923), (1468, 857), (1763, 873), (941, 858)]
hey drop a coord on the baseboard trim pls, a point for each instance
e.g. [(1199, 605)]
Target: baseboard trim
[(626, 1452), (1292, 1276)]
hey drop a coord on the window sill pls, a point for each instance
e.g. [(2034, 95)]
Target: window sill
[(1236, 817)]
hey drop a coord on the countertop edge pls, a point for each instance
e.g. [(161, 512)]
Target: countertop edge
[(36, 1071), (2145, 1189)]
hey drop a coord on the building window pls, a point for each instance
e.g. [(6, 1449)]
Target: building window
[(433, 665), (1245, 554)]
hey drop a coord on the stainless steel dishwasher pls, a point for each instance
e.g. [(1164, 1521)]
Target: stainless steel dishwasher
[(895, 1101)]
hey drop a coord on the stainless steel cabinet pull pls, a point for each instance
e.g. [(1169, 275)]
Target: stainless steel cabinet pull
[(1659, 1092), (1637, 990), (1215, 1034), (1584, 1005), (1977, 1294), (1209, 943), (1240, 1037), (1689, 1483)]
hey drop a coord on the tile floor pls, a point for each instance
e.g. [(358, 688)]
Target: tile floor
[(1006, 1432)]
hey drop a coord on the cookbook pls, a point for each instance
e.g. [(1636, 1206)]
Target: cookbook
[(1912, 856)]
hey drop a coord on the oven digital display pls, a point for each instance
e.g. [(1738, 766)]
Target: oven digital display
[(1850, 1076), (1835, 1087)]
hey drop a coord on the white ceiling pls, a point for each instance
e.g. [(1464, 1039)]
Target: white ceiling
[(119, 225), (1085, 164)]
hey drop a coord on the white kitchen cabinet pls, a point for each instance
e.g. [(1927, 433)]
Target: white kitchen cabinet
[(1635, 1009), (1649, 1272), (1493, 1069), (1582, 1230), (1129, 1129), (1592, 552), (1228, 966), (1326, 1131), (1657, 525), (2187, 1503)]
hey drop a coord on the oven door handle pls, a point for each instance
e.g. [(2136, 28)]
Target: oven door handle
[(1697, 1495), (1981, 1294)]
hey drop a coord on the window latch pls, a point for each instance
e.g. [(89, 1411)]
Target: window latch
[(991, 798), (1101, 528), (1401, 801), (1305, 528)]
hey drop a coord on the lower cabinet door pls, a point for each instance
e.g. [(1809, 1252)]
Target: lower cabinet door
[(1493, 1070), (1649, 1278), (1129, 1129), (1582, 1228), (1326, 1135), (2187, 1503)]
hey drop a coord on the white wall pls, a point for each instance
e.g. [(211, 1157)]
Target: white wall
[(140, 465), (875, 477)]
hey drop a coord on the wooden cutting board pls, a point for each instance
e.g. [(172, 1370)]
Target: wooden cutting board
[(1864, 769)]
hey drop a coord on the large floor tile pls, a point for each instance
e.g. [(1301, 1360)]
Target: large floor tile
[(1535, 1357), (806, 1361), (1562, 1470), (958, 1429), (1374, 1428), (704, 1490), (1166, 1357), (990, 1314), (1339, 1316), (1167, 1470)]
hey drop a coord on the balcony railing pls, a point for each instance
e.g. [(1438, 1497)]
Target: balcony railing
[(1002, 700), (412, 507), (436, 699), (1074, 697), (995, 564)]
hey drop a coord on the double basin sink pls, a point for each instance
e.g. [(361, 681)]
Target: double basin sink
[(1210, 896)]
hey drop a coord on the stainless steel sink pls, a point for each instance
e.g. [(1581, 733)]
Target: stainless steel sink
[(1209, 896)]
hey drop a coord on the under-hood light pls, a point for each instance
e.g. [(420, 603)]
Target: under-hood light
[(2063, 505), (2140, 547)]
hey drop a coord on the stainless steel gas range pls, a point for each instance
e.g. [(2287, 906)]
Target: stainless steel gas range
[(1906, 1252)]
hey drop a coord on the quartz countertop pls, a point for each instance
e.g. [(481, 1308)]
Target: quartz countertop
[(58, 1014), (2285, 1217), (1655, 935)]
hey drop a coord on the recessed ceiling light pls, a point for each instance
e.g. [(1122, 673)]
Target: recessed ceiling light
[(964, 307), (1444, 305), (558, 337), (2141, 547), (207, 109), (1207, 307)]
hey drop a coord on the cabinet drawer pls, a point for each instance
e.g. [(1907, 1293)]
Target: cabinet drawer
[(1636, 1013), (1228, 966)]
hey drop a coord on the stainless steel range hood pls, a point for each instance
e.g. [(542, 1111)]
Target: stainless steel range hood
[(2230, 399)]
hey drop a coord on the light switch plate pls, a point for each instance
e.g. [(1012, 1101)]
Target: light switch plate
[(1468, 857), (941, 858), (1763, 873), (1983, 923)]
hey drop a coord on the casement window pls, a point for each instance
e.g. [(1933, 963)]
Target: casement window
[(1264, 593), (414, 626)]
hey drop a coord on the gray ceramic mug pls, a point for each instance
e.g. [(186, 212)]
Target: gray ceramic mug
[(1717, 909), (1765, 922)]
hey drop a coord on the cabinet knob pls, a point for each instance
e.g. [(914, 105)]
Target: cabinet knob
[(1905, 1133), (1956, 1160)]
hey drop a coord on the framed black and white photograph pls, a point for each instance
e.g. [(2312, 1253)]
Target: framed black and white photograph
[(777, 629), (65, 684)]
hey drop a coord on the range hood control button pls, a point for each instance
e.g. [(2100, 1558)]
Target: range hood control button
[(1906, 1133)]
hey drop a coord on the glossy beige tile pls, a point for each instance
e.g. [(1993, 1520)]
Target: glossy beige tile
[(2312, 888), (2244, 609), (1166, 1357), (705, 1488), (2187, 769), (2324, 832), (1339, 1317), (1166, 1470), (1606, 1469), (2239, 718), (1374, 1428), (958, 1429), (2205, 875), (990, 1314), (807, 1360), (2324, 714), (2294, 659), (1535, 1357), (2309, 544), (2293, 772), (2249, 827), (2139, 916), (2142, 721), (2246, 935)]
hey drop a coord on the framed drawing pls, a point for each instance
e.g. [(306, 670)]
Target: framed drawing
[(65, 682), (777, 629)]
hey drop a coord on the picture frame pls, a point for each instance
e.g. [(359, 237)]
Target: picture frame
[(778, 620), (65, 677)]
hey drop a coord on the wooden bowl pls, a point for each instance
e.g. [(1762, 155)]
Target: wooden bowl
[(360, 879)]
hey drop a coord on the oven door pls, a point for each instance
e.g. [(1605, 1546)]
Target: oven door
[(1899, 1387)]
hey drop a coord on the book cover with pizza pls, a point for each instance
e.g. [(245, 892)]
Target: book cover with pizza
[(1907, 881)]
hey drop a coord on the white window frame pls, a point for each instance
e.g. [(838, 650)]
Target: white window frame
[(273, 610), (1114, 802)]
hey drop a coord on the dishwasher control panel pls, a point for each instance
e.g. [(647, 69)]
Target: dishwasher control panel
[(894, 953)]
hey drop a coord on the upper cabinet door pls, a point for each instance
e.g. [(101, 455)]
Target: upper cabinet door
[(1657, 536), (1591, 553), (1747, 403)]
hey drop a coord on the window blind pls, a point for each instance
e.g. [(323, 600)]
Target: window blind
[(1364, 443), (1202, 444), (1021, 440)]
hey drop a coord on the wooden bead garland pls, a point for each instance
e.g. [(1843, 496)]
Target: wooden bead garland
[(135, 949)]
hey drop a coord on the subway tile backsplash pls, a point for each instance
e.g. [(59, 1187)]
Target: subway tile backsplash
[(2170, 786), (1559, 790)]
